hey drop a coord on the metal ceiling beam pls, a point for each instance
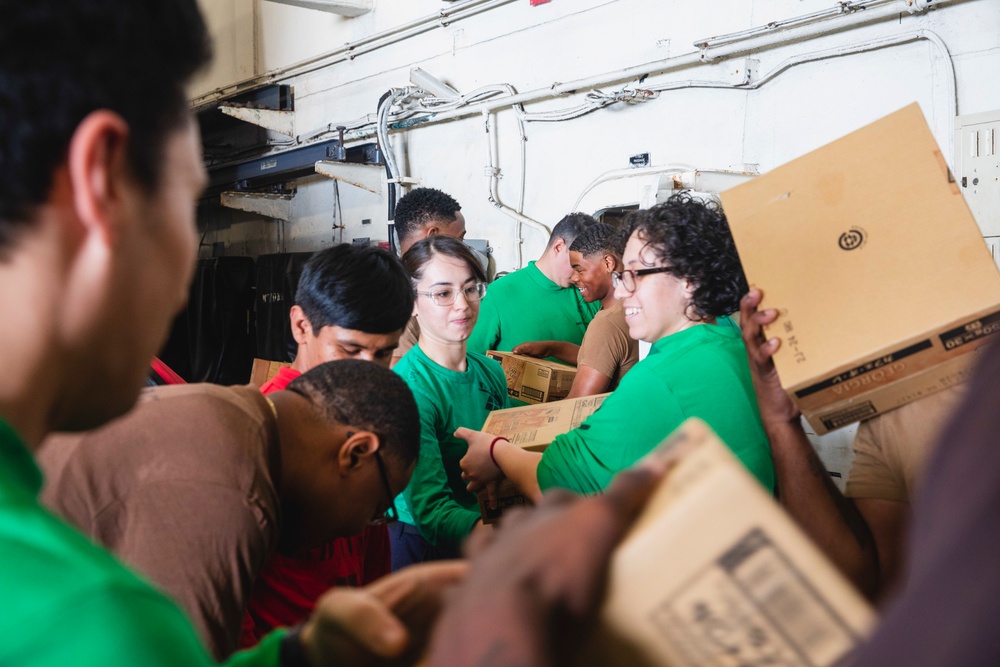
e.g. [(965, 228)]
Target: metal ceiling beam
[(279, 121), (271, 205), (349, 8), (365, 176)]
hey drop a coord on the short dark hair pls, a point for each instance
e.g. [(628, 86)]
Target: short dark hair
[(424, 250), (571, 226), (366, 396), (363, 288), (600, 239), (60, 61), (693, 237), (420, 207)]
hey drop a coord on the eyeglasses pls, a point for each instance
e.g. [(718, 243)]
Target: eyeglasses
[(390, 514), (627, 278), (448, 295)]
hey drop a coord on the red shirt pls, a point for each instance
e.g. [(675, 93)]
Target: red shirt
[(286, 590)]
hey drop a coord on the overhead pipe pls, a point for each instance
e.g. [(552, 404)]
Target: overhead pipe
[(618, 174), (351, 50), (349, 8), (850, 14), (493, 172)]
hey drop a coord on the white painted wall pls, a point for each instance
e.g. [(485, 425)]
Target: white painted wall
[(534, 47)]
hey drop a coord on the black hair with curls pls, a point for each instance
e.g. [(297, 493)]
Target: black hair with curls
[(366, 396), (692, 236), (421, 207), (600, 239)]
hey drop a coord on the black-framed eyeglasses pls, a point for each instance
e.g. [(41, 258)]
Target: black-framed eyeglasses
[(627, 277), (446, 296), (390, 514)]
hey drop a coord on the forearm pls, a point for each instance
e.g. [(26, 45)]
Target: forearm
[(442, 520), (520, 467), (568, 353), (821, 510), (587, 382)]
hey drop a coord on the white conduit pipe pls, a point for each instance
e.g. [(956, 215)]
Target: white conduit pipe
[(489, 121), (352, 50), (845, 50), (616, 174), (859, 13)]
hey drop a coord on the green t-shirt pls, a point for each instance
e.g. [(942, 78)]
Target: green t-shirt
[(526, 306), (436, 501), (699, 372), (65, 601)]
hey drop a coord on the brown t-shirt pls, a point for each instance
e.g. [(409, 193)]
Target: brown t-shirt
[(891, 450), (607, 347), (181, 489), (409, 338)]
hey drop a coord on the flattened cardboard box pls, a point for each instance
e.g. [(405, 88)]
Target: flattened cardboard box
[(714, 572), (878, 270), (534, 380), (533, 427), (263, 370)]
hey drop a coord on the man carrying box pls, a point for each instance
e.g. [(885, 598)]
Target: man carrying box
[(536, 302), (862, 530), (607, 351)]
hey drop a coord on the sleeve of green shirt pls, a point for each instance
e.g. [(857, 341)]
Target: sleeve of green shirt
[(616, 436), (486, 333), (441, 520)]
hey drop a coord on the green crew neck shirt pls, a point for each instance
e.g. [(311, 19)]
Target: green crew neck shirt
[(526, 306), (65, 601), (436, 501), (699, 372)]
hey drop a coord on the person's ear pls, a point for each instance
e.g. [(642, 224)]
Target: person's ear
[(99, 173), (559, 246), (301, 328), (433, 230), (357, 450), (610, 263)]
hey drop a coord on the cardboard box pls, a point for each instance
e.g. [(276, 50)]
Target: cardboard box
[(878, 270), (263, 370), (533, 427), (715, 572), (534, 380)]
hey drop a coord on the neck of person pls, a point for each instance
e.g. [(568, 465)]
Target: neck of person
[(40, 379), (545, 265), (450, 354), (609, 299)]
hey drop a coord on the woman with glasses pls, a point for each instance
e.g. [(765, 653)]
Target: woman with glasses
[(682, 278), (453, 388)]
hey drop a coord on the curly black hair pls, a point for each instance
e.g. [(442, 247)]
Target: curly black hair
[(422, 206), (599, 239), (692, 236), (364, 395)]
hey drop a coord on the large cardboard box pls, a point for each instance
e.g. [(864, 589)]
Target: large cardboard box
[(263, 370), (534, 380), (533, 427), (882, 280), (715, 572)]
